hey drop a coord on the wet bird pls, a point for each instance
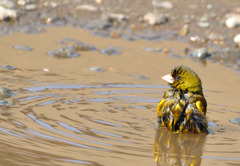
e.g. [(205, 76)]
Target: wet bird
[(183, 107)]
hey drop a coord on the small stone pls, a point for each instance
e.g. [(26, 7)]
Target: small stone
[(111, 51), (203, 24), (98, 24), (7, 14), (237, 39), (184, 31), (8, 67), (64, 52), (79, 46), (139, 77), (7, 3), (22, 47), (99, 69), (155, 18), (46, 70), (209, 6), (200, 53), (164, 4), (198, 39), (5, 93), (87, 8), (98, 1), (113, 17), (148, 49), (30, 7), (236, 120), (233, 20)]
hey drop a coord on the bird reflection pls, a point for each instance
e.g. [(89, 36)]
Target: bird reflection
[(178, 148)]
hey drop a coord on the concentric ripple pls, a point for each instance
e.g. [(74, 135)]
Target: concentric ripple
[(85, 124)]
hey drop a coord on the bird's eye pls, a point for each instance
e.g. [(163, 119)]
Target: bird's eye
[(178, 77)]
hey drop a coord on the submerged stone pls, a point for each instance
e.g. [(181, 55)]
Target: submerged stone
[(8, 67), (111, 51), (64, 52), (5, 93), (22, 47), (99, 69), (236, 120), (140, 77)]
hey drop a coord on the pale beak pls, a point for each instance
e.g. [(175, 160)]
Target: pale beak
[(168, 78)]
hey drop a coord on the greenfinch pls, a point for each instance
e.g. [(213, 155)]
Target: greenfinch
[(183, 107)]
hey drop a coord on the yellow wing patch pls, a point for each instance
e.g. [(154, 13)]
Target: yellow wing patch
[(159, 112), (201, 108)]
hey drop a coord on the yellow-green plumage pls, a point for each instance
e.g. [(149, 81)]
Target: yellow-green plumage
[(183, 107)]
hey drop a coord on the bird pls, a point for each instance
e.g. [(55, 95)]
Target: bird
[(183, 107)]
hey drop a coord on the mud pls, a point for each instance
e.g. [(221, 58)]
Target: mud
[(66, 114)]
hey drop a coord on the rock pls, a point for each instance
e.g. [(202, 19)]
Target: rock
[(111, 51), (8, 67), (227, 55), (5, 93), (200, 53), (113, 17), (22, 47), (236, 120), (99, 69), (98, 24), (232, 20), (7, 14), (155, 18), (64, 52), (163, 4), (139, 77), (87, 8), (79, 46), (184, 31), (237, 39), (149, 49), (7, 3), (28, 4), (203, 24)]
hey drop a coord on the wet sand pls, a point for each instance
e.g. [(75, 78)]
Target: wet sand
[(69, 115)]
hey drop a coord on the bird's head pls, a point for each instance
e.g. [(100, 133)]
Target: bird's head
[(184, 78)]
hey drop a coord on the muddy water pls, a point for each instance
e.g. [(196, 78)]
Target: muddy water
[(65, 114)]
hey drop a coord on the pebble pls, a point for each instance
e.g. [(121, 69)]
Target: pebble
[(87, 8), (184, 31), (64, 52), (155, 18), (236, 120), (99, 69), (226, 55), (172, 55), (7, 14), (22, 47), (139, 77), (111, 51), (149, 49), (163, 4), (233, 20), (5, 93), (113, 17), (203, 24), (8, 4), (200, 53), (8, 67), (98, 24), (237, 39), (79, 46)]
